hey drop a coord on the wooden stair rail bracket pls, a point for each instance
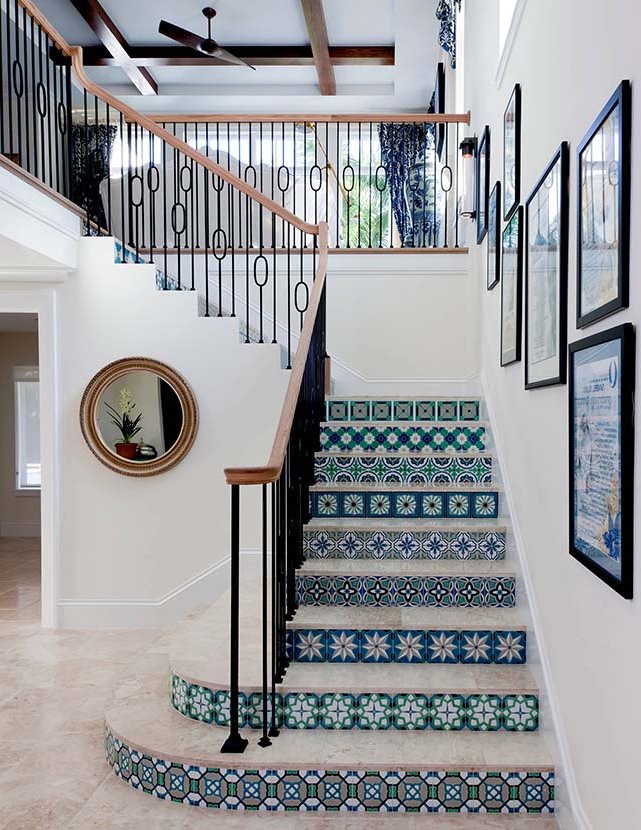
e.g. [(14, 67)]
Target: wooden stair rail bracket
[(272, 470)]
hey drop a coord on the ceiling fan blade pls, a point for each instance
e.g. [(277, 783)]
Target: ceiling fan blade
[(224, 55), (180, 35)]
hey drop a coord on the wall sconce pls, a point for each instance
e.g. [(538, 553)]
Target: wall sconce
[(468, 153)]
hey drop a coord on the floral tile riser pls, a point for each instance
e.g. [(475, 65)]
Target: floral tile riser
[(403, 469), (409, 591), (370, 711), (359, 791), (385, 645), (410, 438), (393, 504), (358, 543)]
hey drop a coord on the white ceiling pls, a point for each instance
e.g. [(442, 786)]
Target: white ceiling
[(409, 25)]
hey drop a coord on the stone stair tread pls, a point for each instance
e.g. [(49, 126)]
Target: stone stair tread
[(446, 619), (403, 487), (407, 567), (150, 725), (359, 678)]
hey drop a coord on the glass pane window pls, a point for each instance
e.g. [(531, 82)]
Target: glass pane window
[(27, 402)]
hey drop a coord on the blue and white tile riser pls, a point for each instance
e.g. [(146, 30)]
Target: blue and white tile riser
[(464, 790), (408, 711), (402, 437), (380, 645), (403, 504), (403, 543), (402, 468), (410, 409), (353, 590)]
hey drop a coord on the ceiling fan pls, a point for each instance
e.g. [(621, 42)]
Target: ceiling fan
[(206, 45)]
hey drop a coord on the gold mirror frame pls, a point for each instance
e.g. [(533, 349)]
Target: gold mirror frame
[(89, 404)]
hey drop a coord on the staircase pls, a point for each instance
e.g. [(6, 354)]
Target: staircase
[(408, 688)]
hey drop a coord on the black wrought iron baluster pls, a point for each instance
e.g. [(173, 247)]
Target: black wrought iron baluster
[(219, 241), (164, 212), (264, 740), (240, 194), (153, 182), (9, 84), (49, 108), (289, 297), (274, 279), (369, 188), (234, 743), (446, 184), (18, 83), (4, 144), (458, 187), (338, 186), (95, 182), (434, 186), (108, 217), (294, 168), (41, 103), (275, 642), (247, 321), (359, 204)]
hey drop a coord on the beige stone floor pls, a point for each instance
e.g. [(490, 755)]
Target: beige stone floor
[(54, 689)]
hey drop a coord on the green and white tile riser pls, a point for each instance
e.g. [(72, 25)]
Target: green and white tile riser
[(409, 625)]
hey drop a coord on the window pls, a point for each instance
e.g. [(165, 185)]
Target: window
[(27, 403), (506, 13)]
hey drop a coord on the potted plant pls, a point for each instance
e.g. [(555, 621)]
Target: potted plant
[(127, 424)]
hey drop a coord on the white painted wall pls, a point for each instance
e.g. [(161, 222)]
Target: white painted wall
[(143, 551), (568, 57), (19, 511)]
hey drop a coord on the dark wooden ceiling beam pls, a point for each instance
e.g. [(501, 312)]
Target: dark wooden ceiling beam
[(256, 55), (318, 40), (114, 41)]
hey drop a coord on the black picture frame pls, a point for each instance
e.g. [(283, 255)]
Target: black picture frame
[(482, 185), (493, 271), (512, 154), (439, 105), (589, 450), (597, 201), (512, 286), (542, 250)]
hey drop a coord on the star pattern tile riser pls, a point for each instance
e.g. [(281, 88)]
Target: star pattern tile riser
[(402, 438), (326, 503), (399, 409), (447, 712), (403, 469), (411, 591), (406, 543), (423, 791), (405, 645)]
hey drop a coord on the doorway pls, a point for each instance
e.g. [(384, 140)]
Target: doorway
[(20, 469)]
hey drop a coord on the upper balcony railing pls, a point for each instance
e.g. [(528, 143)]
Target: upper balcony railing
[(379, 181)]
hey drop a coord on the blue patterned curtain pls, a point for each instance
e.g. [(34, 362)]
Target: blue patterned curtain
[(446, 13), (403, 150)]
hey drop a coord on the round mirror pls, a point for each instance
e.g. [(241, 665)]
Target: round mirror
[(138, 416)]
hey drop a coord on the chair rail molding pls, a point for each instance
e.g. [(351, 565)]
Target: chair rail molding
[(506, 52)]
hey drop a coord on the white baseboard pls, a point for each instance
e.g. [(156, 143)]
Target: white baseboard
[(349, 381), (30, 530), (578, 819), (204, 588)]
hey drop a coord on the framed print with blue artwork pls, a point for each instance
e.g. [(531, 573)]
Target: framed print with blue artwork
[(546, 275), (603, 219), (601, 429)]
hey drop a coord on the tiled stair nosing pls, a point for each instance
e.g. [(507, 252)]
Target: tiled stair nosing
[(492, 525), (394, 487)]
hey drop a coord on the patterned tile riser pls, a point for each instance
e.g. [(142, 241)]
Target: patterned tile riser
[(384, 645), (403, 469), (354, 409), (408, 591), (424, 791), (371, 711), (356, 504), (350, 437), (403, 544)]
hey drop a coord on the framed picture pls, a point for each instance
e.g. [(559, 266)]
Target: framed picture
[(601, 425), (603, 219), (546, 274), (511, 289), (439, 106), (494, 237), (482, 185), (512, 153)]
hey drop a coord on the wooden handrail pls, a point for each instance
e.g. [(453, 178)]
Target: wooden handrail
[(272, 470), (321, 118), (184, 148)]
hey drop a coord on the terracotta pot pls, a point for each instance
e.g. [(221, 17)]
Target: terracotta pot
[(127, 450)]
